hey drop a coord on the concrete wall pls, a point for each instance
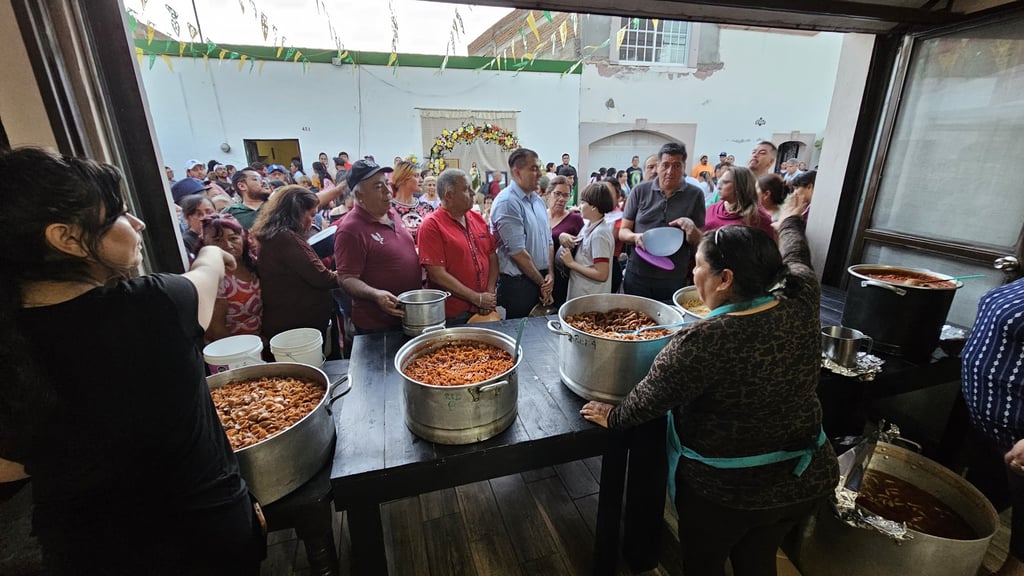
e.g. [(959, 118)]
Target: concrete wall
[(21, 106), (367, 110), (785, 78)]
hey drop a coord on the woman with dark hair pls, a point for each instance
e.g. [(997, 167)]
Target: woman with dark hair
[(590, 268), (239, 305), (326, 162), (747, 457), (615, 217), (295, 284), (803, 185), (103, 397), (739, 204), (321, 177), (620, 177), (565, 225), (194, 208), (772, 191)]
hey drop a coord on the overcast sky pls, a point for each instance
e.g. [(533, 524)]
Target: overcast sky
[(423, 27)]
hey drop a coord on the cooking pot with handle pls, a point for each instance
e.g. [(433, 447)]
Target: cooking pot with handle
[(276, 466), (903, 319)]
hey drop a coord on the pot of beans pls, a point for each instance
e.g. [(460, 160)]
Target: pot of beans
[(949, 523), (601, 353), (903, 309), (460, 384), (278, 421)]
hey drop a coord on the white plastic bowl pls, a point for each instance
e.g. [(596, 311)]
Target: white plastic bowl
[(663, 241)]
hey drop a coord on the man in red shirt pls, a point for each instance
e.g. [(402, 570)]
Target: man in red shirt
[(458, 251)]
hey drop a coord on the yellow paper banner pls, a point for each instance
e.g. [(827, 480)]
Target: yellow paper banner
[(533, 25), (167, 60), (241, 62), (563, 31), (392, 58), (181, 49), (618, 37), (654, 22), (298, 54), (259, 69), (139, 54), (222, 53), (149, 33), (279, 49), (512, 47)]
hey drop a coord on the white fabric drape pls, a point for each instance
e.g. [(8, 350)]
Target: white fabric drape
[(487, 155)]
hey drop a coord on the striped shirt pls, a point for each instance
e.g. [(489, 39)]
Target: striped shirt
[(993, 385)]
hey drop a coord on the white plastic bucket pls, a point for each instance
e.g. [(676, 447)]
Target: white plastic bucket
[(233, 352), (302, 345)]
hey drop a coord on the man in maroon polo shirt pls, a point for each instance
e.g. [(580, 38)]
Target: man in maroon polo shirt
[(458, 251), (374, 252)]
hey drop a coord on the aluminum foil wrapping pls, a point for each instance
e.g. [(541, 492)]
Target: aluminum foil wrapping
[(846, 509), (868, 366)]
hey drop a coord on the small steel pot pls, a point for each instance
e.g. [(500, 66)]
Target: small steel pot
[(424, 309), (459, 414), (278, 465), (598, 368)]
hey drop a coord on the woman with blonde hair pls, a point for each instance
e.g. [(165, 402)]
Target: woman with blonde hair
[(405, 183), (739, 203)]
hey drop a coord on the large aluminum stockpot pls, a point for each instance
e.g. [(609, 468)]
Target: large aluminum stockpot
[(424, 310), (606, 369), (278, 465), (902, 319), (827, 546), (459, 414)]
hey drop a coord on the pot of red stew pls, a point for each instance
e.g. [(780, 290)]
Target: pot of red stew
[(903, 309), (460, 384), (949, 521)]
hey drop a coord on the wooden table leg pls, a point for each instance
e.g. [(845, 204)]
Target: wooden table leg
[(609, 512), (367, 531), (646, 482)]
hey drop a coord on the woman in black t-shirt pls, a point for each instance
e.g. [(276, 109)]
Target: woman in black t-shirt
[(103, 399)]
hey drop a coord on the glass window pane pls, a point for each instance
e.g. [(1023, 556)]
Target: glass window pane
[(947, 175), (965, 303)]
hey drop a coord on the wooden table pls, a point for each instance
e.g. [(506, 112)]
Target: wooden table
[(378, 459)]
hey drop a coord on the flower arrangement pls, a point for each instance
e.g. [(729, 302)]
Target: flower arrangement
[(465, 134), (412, 158)]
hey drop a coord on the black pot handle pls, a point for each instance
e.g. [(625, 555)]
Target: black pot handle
[(334, 386), (898, 291)]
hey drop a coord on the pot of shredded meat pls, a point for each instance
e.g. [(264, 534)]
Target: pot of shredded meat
[(278, 421), (596, 360), (460, 384)]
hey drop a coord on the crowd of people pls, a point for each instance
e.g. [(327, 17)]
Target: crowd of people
[(550, 241), (527, 247)]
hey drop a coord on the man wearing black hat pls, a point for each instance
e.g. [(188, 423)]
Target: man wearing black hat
[(374, 252)]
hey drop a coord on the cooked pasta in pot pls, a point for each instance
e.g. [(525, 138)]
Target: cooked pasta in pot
[(612, 323), (459, 363), (256, 409)]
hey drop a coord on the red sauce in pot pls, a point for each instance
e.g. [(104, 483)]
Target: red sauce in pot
[(908, 278)]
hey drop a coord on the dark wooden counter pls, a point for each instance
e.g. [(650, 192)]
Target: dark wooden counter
[(378, 459)]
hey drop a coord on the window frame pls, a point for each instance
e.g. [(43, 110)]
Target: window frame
[(689, 51)]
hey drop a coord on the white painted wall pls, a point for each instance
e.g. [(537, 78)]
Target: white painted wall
[(757, 80), (367, 110)]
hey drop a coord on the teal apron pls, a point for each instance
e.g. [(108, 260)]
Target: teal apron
[(675, 449)]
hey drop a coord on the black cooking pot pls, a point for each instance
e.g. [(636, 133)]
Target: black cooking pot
[(904, 319)]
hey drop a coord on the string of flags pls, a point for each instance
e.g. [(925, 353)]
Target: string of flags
[(522, 56)]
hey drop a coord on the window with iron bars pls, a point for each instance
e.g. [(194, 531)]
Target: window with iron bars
[(644, 43)]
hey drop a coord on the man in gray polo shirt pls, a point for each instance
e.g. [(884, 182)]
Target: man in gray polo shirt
[(519, 219), (668, 200)]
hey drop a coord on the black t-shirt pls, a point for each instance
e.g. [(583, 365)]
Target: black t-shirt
[(133, 435)]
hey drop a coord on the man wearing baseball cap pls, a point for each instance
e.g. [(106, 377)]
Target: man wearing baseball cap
[(195, 169), (186, 187), (374, 252)]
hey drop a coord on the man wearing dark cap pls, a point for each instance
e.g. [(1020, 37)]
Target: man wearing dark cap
[(723, 158), (375, 253), (187, 186)]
